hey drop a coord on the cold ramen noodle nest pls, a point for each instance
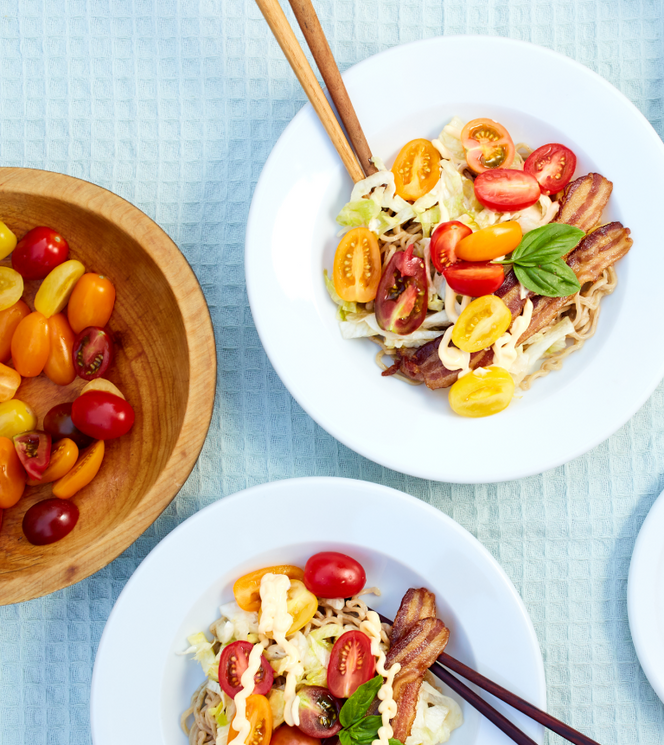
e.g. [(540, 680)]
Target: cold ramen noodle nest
[(298, 668), (476, 265)]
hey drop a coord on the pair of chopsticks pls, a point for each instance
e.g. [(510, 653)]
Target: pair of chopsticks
[(441, 669), (356, 155)]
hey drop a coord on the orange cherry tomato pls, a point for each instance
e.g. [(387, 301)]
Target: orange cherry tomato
[(9, 382), (12, 474), (487, 144), (82, 473), (64, 454), (9, 320), (357, 266), (416, 169), (91, 302), (247, 588), (60, 365), (259, 715), (490, 243), (30, 345)]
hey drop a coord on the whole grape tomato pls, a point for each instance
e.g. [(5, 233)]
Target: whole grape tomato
[(9, 382), (12, 474), (91, 303), (16, 417), (93, 353), (34, 451), (86, 468), (102, 415), (506, 190), (9, 321), (38, 252), (330, 574), (474, 278), (7, 241), (59, 365), (30, 345), (49, 521), (59, 425)]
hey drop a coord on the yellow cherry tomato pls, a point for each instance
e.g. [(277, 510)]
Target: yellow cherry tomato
[(16, 418), (100, 384), (64, 454), (11, 287), (482, 392), (247, 588), (490, 243), (82, 473), (302, 605), (416, 169), (357, 266), (482, 322), (9, 382), (54, 292), (12, 474), (7, 241)]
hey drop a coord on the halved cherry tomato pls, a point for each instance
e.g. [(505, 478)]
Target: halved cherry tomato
[(9, 321), (92, 353), (330, 574), (416, 169), (490, 243), (30, 345), (553, 166), (55, 290), (234, 661), (40, 250), (9, 382), (351, 664), (101, 384), (16, 417), (357, 266), (34, 451), (102, 415), (91, 302), (319, 712), (301, 604), (444, 242), (59, 425), (259, 714), (506, 190), (12, 474), (481, 323), (401, 300), (82, 473), (7, 241), (60, 362), (11, 287), (474, 278), (63, 458), (482, 392), (487, 144), (49, 521), (286, 735), (247, 589)]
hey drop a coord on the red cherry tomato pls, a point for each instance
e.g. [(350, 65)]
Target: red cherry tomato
[(319, 712), (401, 300), (330, 574), (234, 661), (285, 735), (351, 664), (40, 250), (49, 521), (93, 353), (552, 165), (474, 278), (59, 425), (506, 190), (102, 415), (34, 452), (444, 242)]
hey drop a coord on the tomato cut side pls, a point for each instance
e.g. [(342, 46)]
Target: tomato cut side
[(444, 241), (330, 574), (357, 266), (234, 661), (11, 287), (64, 455), (488, 145), (491, 242), (483, 392), (92, 353), (481, 323), (474, 278), (506, 190), (553, 166), (34, 451), (10, 380), (416, 169), (9, 321), (351, 664), (247, 589), (319, 712), (401, 300), (259, 715), (301, 604)]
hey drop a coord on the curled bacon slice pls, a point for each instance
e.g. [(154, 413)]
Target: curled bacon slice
[(584, 200), (416, 604)]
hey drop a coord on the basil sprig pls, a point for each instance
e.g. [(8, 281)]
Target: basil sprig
[(358, 728), (538, 262)]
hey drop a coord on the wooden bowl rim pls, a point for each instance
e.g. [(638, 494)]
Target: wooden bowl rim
[(202, 376)]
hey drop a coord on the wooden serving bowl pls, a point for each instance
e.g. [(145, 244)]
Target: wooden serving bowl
[(165, 364)]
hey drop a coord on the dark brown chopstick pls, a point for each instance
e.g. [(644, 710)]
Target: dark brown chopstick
[(322, 54)]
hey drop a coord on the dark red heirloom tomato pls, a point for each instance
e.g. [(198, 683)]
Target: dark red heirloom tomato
[(506, 190), (34, 452), (59, 425), (40, 250), (474, 278), (286, 735), (92, 353), (444, 242), (351, 664), (401, 300), (234, 661), (319, 712), (102, 415), (553, 166), (330, 574), (49, 521)]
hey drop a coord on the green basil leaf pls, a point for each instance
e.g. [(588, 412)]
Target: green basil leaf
[(555, 279), (345, 738), (394, 741), (546, 244), (366, 728), (358, 704)]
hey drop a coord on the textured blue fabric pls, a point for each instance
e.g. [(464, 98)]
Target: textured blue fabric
[(175, 106)]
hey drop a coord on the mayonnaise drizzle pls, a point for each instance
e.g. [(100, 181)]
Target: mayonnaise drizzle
[(240, 722), (451, 304), (504, 349), (388, 706), (451, 357)]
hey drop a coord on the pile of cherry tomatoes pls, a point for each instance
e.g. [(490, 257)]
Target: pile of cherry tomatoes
[(69, 449)]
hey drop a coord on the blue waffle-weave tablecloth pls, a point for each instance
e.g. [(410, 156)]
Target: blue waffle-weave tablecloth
[(175, 106)]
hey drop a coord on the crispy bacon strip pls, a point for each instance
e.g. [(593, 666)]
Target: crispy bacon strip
[(415, 605), (583, 201)]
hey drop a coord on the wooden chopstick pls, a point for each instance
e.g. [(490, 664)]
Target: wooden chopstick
[(320, 49), (287, 40)]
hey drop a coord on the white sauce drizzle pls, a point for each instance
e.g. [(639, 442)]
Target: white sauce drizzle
[(240, 722), (451, 357), (505, 353), (388, 706), (451, 304)]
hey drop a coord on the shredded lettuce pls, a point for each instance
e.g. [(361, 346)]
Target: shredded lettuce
[(356, 327), (437, 715), (201, 648), (245, 624), (277, 704), (358, 214), (429, 219)]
